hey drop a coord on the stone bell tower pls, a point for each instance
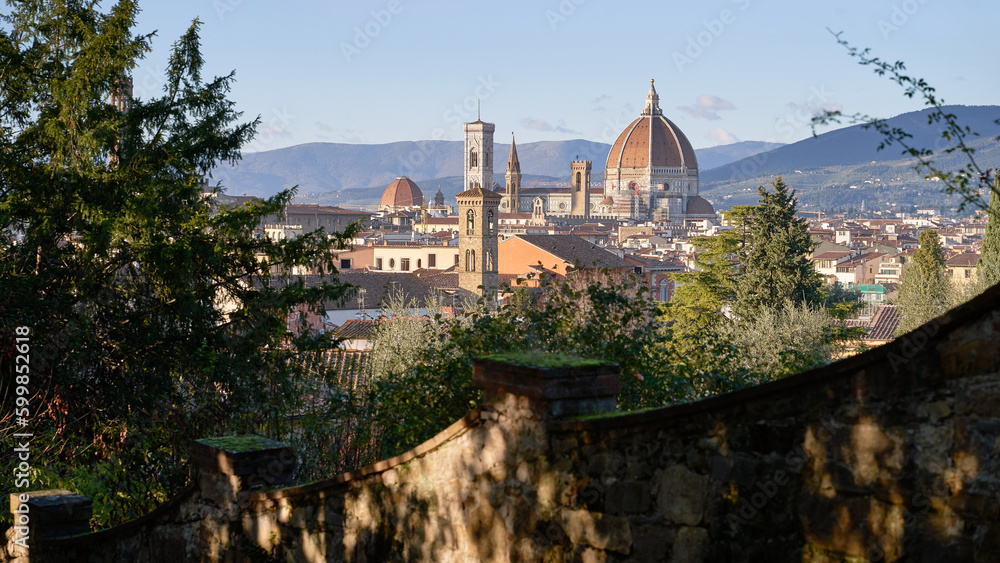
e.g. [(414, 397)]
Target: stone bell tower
[(478, 214), (580, 188), (513, 179)]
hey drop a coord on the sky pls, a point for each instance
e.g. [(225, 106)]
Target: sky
[(381, 71)]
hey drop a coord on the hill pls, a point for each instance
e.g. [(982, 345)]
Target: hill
[(346, 174), (843, 168)]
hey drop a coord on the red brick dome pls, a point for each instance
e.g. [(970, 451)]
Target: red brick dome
[(651, 140), (402, 192)]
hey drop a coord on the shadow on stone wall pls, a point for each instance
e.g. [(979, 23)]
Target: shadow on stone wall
[(891, 455)]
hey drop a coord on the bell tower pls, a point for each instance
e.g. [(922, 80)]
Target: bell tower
[(478, 214), (513, 179), (479, 155), (580, 188)]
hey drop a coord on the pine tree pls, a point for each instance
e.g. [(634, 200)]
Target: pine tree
[(775, 267), (925, 291), (988, 267)]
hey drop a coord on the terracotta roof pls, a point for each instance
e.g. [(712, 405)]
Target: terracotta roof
[(478, 191), (377, 286), (832, 255), (651, 140), (964, 260), (575, 250), (402, 192), (883, 324), (312, 209), (354, 329)]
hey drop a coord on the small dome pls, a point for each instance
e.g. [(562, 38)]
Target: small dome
[(402, 192), (608, 201), (700, 206)]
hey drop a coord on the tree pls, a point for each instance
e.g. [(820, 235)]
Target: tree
[(154, 313), (988, 267), (775, 267), (925, 291)]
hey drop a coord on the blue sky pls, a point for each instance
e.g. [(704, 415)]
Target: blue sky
[(379, 71)]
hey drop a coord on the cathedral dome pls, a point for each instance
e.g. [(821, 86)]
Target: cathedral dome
[(402, 192), (651, 140), (700, 206)]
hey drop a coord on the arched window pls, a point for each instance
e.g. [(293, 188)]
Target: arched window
[(490, 266), (664, 289), (470, 222), (490, 226), (578, 181), (470, 260), (473, 158), (488, 161)]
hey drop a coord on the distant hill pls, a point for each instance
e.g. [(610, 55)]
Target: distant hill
[(346, 174), (714, 157), (329, 167), (842, 168)]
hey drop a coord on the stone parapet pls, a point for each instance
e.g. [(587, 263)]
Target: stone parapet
[(560, 387)]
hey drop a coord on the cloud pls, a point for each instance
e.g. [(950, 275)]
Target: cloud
[(600, 99), (707, 106), (543, 125), (325, 127), (722, 136)]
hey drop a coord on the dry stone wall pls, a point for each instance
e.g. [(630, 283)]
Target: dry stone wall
[(891, 455)]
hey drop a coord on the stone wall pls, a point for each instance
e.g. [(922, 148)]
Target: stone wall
[(890, 455)]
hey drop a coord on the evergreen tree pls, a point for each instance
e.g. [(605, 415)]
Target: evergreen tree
[(988, 267), (153, 313), (925, 291), (775, 267)]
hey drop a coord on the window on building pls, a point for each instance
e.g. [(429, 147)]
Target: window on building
[(392, 263), (470, 222), (473, 158), (490, 226), (432, 260), (378, 263), (968, 273), (404, 264), (418, 263), (578, 181), (345, 263), (470, 260), (456, 259)]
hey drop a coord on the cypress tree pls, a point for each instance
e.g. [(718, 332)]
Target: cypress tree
[(988, 267), (925, 291)]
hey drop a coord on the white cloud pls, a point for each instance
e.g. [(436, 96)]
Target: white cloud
[(538, 124), (707, 106), (722, 136)]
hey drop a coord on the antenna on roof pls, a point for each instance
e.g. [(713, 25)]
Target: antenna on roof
[(479, 109)]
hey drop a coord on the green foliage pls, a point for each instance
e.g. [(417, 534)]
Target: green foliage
[(925, 291), (970, 181), (988, 267), (151, 308), (775, 264)]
